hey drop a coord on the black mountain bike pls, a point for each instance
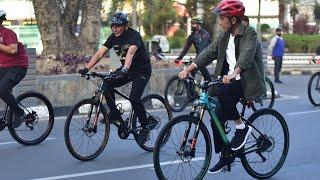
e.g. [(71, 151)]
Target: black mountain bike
[(36, 124), (184, 148), (87, 126), (314, 88), (180, 92)]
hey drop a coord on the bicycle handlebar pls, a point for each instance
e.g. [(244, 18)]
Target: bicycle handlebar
[(104, 76), (206, 84)]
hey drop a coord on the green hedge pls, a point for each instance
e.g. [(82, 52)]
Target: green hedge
[(302, 43), (178, 40)]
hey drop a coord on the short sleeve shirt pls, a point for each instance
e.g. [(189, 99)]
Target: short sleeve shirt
[(140, 60), (19, 59)]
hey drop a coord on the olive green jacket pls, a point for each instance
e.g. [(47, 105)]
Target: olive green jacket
[(248, 56)]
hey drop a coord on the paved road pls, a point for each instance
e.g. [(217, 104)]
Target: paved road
[(124, 159)]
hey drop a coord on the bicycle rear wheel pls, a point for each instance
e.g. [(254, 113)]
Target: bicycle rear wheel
[(159, 113), (314, 89), (174, 157), (267, 146), (268, 99), (84, 140), (176, 93), (38, 122)]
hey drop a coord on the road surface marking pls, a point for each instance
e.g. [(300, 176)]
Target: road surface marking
[(113, 170), (14, 142), (302, 112), (286, 97)]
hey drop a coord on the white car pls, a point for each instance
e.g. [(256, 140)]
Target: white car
[(163, 42)]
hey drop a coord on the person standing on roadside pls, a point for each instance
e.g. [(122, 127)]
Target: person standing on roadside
[(276, 49)]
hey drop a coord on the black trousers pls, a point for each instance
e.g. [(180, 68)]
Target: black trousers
[(277, 67), (139, 82), (228, 96), (10, 77)]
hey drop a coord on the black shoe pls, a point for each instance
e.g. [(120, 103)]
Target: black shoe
[(143, 136), (17, 118), (240, 138), (220, 166), (278, 81)]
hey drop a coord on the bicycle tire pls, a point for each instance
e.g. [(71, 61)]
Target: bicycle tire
[(67, 136), (153, 98), (272, 96), (161, 141), (245, 159), (171, 99), (34, 124), (310, 96)]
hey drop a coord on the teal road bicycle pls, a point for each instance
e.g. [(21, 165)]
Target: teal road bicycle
[(183, 147)]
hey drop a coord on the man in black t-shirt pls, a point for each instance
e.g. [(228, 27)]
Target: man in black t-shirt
[(136, 68)]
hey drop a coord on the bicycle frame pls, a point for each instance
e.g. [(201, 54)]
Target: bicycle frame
[(100, 93), (209, 104)]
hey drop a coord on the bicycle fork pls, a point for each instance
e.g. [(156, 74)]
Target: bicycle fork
[(193, 141)]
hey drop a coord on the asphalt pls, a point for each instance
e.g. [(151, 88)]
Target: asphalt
[(123, 159)]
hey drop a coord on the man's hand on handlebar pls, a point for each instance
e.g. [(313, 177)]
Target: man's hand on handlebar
[(83, 71), (183, 74)]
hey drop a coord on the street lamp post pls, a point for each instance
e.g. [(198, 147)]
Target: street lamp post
[(258, 23)]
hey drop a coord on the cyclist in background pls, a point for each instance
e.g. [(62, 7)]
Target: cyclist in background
[(239, 62), (13, 68), (200, 39), (136, 68)]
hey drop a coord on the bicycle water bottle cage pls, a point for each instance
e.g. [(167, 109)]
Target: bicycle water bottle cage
[(227, 129), (120, 108)]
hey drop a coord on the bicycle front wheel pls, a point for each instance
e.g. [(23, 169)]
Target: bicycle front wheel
[(268, 99), (267, 146), (177, 155), (158, 113), (314, 89), (85, 140), (38, 122), (176, 93)]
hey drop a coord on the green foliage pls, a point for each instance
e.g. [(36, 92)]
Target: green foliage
[(302, 43), (208, 17), (178, 40), (316, 12), (265, 27), (158, 15)]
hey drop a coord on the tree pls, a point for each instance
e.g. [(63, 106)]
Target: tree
[(316, 12), (158, 16), (209, 19), (60, 33)]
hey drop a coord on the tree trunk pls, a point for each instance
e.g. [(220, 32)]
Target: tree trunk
[(58, 26), (281, 12)]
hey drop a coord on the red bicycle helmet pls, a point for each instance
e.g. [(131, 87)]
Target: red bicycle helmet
[(230, 8)]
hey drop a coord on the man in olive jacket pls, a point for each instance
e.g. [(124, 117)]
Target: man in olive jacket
[(239, 62)]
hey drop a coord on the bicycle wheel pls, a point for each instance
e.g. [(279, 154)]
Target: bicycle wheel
[(38, 121), (268, 99), (176, 93), (159, 113), (84, 140), (314, 89), (174, 157), (268, 147)]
